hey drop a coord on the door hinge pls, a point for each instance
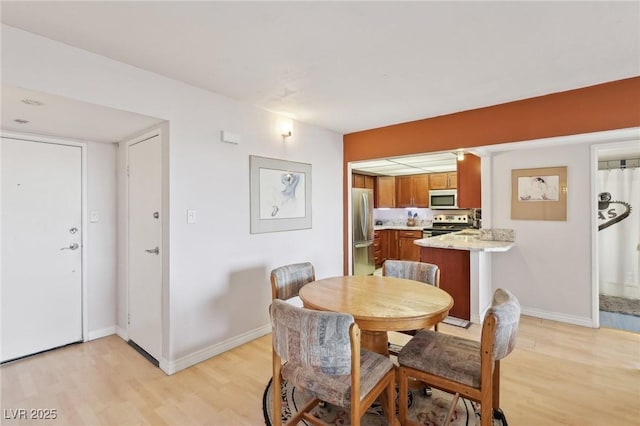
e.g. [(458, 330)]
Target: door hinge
[(128, 319), (127, 170)]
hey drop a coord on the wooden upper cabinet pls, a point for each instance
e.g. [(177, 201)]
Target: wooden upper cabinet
[(452, 177), (404, 192), (446, 180), (412, 191), (362, 181), (385, 191), (357, 181), (438, 181), (469, 175), (421, 190), (370, 182)]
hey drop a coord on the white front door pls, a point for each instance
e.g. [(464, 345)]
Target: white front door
[(145, 246), (41, 246)]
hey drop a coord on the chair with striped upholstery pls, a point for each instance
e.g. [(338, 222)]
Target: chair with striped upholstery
[(427, 273), (461, 366), (322, 355), (287, 280)]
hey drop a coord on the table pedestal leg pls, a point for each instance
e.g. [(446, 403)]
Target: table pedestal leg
[(375, 341)]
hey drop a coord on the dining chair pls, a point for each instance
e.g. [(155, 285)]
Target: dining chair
[(322, 355), (287, 280), (427, 273), (462, 366)]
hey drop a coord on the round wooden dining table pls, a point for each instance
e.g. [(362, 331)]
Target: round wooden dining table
[(379, 304)]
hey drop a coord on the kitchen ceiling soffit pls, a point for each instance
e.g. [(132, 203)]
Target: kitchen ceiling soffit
[(416, 164)]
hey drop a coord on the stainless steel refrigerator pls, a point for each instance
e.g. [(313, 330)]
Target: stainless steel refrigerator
[(362, 225)]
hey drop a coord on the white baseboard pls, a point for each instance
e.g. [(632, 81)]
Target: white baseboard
[(96, 334), (560, 317), (171, 367)]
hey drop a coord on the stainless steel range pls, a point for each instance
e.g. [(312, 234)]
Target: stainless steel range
[(447, 223)]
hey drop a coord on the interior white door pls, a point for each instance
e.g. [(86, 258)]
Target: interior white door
[(41, 246), (145, 246)]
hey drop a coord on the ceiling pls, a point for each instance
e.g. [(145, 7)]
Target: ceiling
[(415, 164), (26, 111), (349, 66)]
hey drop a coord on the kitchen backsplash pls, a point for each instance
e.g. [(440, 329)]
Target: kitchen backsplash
[(398, 217)]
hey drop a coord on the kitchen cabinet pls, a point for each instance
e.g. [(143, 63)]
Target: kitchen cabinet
[(407, 250), (455, 276), (392, 244), (384, 246), (385, 191), (469, 178), (398, 245), (362, 181), (412, 191), (447, 180), (377, 247), (452, 179)]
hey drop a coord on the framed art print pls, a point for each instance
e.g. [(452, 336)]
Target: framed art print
[(539, 194), (280, 194)]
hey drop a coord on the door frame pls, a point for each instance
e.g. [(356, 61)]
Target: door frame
[(617, 141), (29, 137), (161, 132)]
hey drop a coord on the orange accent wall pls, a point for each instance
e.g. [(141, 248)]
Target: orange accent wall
[(607, 106)]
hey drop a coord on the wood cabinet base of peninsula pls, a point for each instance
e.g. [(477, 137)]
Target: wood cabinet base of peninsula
[(455, 277)]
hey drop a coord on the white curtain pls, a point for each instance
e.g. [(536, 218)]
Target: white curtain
[(619, 241)]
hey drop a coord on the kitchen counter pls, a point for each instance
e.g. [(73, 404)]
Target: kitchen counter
[(465, 240), (465, 263), (398, 227)]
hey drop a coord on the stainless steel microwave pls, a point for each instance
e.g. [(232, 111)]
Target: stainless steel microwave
[(440, 199)]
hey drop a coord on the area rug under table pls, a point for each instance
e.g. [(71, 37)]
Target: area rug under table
[(422, 409)]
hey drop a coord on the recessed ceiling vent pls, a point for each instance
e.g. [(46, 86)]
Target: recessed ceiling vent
[(32, 102)]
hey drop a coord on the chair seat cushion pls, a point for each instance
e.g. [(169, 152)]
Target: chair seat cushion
[(336, 389), (443, 355), (295, 301)]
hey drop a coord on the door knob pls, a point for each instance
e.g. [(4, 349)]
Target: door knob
[(153, 250), (73, 246)]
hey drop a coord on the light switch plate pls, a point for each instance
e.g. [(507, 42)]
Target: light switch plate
[(94, 216), (191, 216)]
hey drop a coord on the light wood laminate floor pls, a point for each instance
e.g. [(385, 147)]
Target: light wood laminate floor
[(558, 375)]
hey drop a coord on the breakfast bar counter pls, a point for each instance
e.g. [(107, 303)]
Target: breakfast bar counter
[(464, 259), (465, 240)]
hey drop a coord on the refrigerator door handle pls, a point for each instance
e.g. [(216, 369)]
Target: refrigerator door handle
[(361, 245), (364, 223)]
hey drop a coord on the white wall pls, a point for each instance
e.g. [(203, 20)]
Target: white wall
[(549, 270), (101, 239), (218, 289)]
